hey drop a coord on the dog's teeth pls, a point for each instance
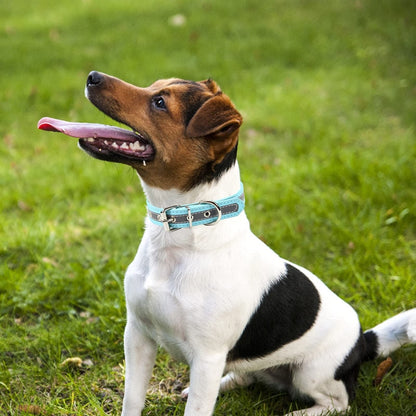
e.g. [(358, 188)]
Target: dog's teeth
[(124, 146), (105, 142), (90, 140), (136, 146), (115, 145), (144, 163)]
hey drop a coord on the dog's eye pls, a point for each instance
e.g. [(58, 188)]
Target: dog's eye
[(159, 102)]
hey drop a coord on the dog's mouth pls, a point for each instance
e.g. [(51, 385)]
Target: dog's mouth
[(104, 142)]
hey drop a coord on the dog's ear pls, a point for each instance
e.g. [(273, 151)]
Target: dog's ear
[(212, 85), (217, 118)]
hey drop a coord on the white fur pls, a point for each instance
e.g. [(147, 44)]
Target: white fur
[(396, 331), (193, 291)]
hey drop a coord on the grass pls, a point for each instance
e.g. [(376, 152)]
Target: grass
[(327, 154)]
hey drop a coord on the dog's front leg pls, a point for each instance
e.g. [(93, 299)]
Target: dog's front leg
[(140, 354), (205, 379)]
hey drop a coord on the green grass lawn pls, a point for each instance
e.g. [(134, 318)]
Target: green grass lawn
[(327, 153)]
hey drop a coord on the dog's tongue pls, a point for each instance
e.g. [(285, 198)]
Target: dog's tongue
[(85, 130)]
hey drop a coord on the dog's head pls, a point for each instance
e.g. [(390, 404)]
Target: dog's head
[(184, 132)]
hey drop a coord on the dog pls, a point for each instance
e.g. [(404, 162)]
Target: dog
[(202, 285)]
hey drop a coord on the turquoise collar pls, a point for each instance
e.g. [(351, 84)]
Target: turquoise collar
[(201, 213)]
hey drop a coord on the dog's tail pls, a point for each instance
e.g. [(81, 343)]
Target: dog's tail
[(391, 335)]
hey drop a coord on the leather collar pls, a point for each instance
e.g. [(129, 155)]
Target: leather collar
[(201, 213)]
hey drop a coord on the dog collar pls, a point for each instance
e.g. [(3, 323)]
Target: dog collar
[(176, 217)]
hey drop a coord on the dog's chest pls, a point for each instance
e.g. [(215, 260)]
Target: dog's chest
[(187, 300), (158, 295)]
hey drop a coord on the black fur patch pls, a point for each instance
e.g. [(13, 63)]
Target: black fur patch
[(348, 371), (365, 349), (211, 171), (194, 100), (371, 345), (287, 310)]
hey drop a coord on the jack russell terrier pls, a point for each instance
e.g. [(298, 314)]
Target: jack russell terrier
[(202, 285)]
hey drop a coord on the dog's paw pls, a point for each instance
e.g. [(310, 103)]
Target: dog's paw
[(185, 393)]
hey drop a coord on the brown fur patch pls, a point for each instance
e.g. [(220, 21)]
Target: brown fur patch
[(198, 128)]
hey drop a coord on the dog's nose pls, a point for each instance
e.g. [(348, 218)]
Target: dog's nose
[(94, 79)]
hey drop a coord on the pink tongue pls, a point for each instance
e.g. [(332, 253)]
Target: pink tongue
[(86, 130)]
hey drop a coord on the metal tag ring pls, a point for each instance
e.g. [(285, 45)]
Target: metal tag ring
[(219, 213)]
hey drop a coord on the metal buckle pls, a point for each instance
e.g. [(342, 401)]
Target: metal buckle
[(219, 213), (162, 217)]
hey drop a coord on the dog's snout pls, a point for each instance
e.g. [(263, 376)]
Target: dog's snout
[(94, 79)]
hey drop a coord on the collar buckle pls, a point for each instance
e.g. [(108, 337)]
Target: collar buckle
[(163, 218)]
